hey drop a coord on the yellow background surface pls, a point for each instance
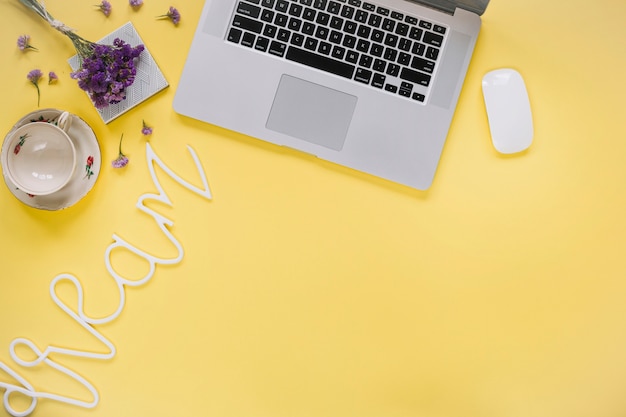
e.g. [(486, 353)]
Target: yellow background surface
[(311, 290)]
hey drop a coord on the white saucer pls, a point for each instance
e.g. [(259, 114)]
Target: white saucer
[(88, 159)]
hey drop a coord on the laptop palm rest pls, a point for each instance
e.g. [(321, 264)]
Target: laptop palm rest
[(311, 112)]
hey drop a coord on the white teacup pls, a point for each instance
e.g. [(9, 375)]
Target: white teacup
[(41, 157)]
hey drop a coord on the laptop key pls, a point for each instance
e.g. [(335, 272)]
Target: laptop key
[(267, 15), (418, 97), (393, 70), (338, 52), (433, 39), (426, 25), (281, 19), (432, 53), (234, 35), (248, 9), (363, 75), (378, 80), (247, 24), (248, 39), (310, 43), (402, 29), (361, 16), (321, 32), (297, 39), (277, 48), (308, 28), (439, 29), (309, 14), (270, 31), (349, 41), (282, 5), (391, 88), (379, 65), (322, 18), (415, 76), (283, 35), (295, 9), (352, 57), (294, 24), (365, 61), (323, 63), (324, 48), (422, 64), (349, 27), (333, 7)]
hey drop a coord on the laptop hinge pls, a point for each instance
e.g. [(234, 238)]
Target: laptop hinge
[(449, 6)]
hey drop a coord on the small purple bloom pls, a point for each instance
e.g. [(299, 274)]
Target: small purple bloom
[(135, 3), (23, 43), (52, 77), (172, 14), (105, 7), (146, 130), (122, 160), (34, 76)]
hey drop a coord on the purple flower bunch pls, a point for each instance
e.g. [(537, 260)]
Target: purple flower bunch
[(107, 71)]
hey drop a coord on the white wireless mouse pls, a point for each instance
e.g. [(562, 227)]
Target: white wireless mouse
[(508, 110)]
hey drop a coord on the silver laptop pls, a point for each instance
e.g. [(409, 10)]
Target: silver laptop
[(371, 85)]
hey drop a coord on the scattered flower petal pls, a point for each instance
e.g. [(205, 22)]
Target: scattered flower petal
[(172, 14), (146, 130), (34, 76), (122, 160), (52, 77), (23, 42), (135, 3), (105, 7)]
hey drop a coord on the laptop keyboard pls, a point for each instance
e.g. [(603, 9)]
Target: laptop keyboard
[(355, 39)]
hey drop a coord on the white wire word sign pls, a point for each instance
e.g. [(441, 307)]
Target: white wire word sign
[(25, 389)]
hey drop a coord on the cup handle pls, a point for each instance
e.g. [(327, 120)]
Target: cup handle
[(65, 121)]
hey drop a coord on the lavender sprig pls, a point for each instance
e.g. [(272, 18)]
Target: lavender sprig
[(23, 42), (145, 129), (173, 14), (34, 76), (104, 7), (122, 160), (52, 77)]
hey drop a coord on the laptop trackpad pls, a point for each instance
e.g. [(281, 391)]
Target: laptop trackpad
[(311, 112)]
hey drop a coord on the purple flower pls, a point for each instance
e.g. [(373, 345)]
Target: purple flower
[(52, 77), (146, 130), (122, 160), (107, 72), (34, 77), (172, 14), (105, 7), (23, 43), (135, 3)]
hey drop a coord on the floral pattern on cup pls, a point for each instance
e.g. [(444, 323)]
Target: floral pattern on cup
[(19, 145), (88, 165)]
